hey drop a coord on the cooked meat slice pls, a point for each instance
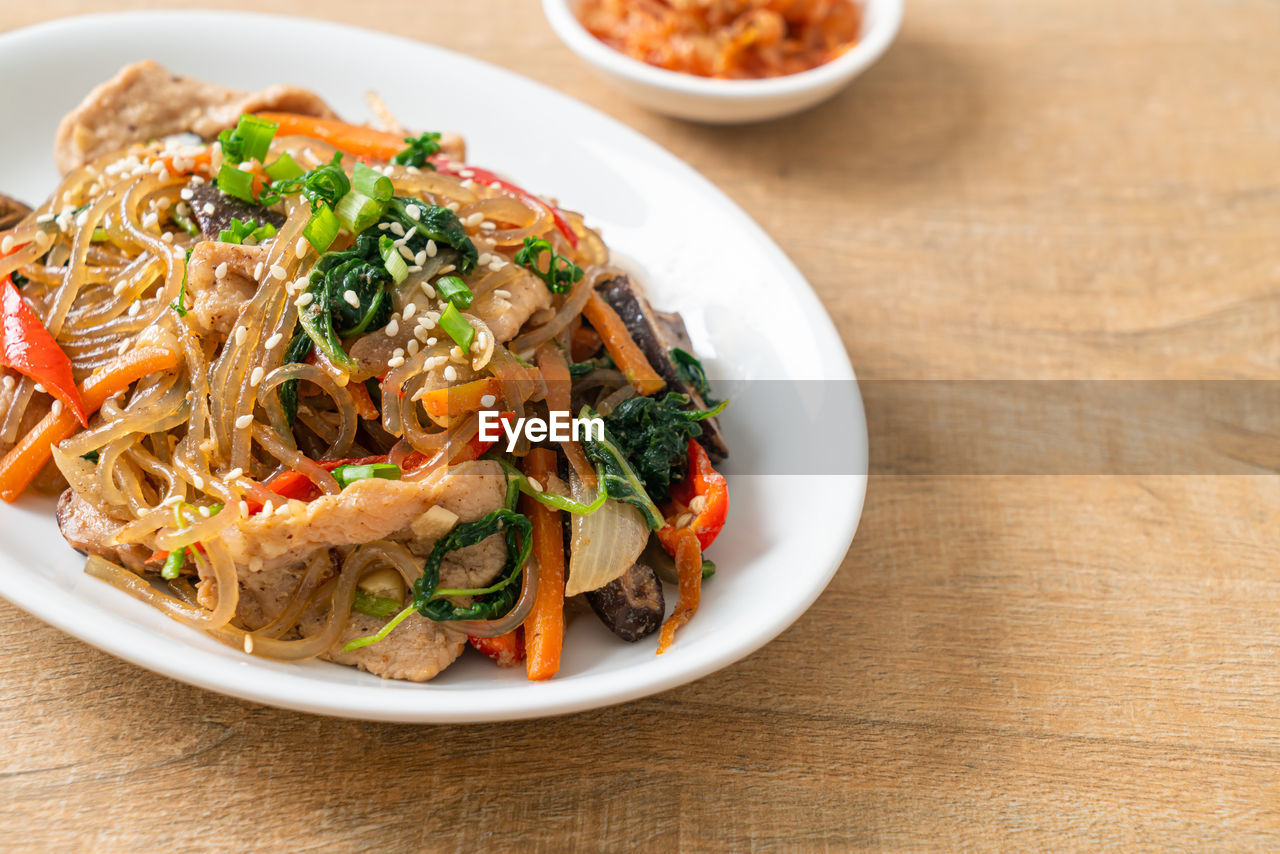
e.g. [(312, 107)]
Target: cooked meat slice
[(367, 510), (216, 302), (506, 309), (147, 101), (86, 528), (214, 210), (658, 333), (417, 650), (11, 212)]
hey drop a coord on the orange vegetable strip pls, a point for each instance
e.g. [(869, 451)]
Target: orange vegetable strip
[(624, 350), (689, 568), (362, 401), (461, 399), (544, 627), (555, 371), (353, 139), (24, 460)]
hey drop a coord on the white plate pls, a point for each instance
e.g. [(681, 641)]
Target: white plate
[(698, 254)]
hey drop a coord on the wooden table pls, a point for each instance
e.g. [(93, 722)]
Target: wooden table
[(1050, 189)]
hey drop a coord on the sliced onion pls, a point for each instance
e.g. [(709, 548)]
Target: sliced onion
[(605, 544)]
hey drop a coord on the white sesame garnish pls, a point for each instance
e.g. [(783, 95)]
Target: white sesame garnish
[(421, 334), (395, 361), (134, 308), (234, 473), (397, 229), (414, 212), (241, 334), (451, 373), (205, 512), (275, 339), (300, 248), (56, 408), (432, 249), (351, 299), (167, 236), (488, 400), (410, 310), (255, 378), (243, 421), (428, 290), (304, 300), (533, 482), (278, 272), (267, 508), (197, 481), (484, 259), (220, 271), (393, 328), (208, 208), (186, 194), (257, 271), (414, 347), (244, 509), (474, 220)]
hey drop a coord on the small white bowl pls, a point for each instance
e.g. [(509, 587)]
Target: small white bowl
[(704, 99)]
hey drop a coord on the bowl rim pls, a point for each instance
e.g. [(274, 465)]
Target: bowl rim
[(873, 42)]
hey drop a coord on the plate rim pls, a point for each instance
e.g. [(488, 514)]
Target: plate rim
[(130, 642)]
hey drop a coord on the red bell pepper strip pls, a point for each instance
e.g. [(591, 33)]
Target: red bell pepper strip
[(507, 650), (701, 482), (28, 348), (447, 167)]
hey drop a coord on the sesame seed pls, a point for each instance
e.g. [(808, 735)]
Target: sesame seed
[(244, 509), (420, 258), (186, 194), (300, 248), (205, 512), (537, 487), (451, 373), (475, 219), (197, 481), (428, 290), (7, 244), (414, 347), (487, 226), (414, 212), (257, 271), (405, 252), (410, 310), (501, 293), (220, 271), (284, 510), (395, 361), (304, 300), (484, 259), (208, 209), (56, 408), (8, 382), (383, 226), (397, 229), (432, 249), (267, 508), (430, 342), (241, 334), (255, 378), (234, 473), (275, 339), (351, 298), (393, 328), (278, 272), (243, 421), (488, 400), (421, 334), (134, 308), (39, 387), (167, 236)]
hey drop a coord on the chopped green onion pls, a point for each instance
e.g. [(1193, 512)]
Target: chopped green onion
[(375, 606), (255, 136), (454, 290), (391, 257), (420, 148), (347, 475), (322, 229), (236, 182), (284, 168), (357, 211), (184, 222), (248, 233), (373, 184), (179, 305), (462, 332), (173, 563)]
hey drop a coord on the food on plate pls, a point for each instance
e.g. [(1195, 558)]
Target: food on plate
[(324, 390), (726, 38)]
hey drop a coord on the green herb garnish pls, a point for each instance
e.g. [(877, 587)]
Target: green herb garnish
[(561, 273), (420, 148), (654, 437)]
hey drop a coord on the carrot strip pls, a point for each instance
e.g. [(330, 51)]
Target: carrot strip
[(25, 459), (363, 402), (689, 567), (354, 139), (544, 627), (555, 371), (461, 399), (624, 350)]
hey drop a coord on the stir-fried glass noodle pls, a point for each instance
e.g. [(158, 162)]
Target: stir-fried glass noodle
[(288, 376)]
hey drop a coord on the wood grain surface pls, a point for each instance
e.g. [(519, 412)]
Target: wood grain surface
[(1048, 189)]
